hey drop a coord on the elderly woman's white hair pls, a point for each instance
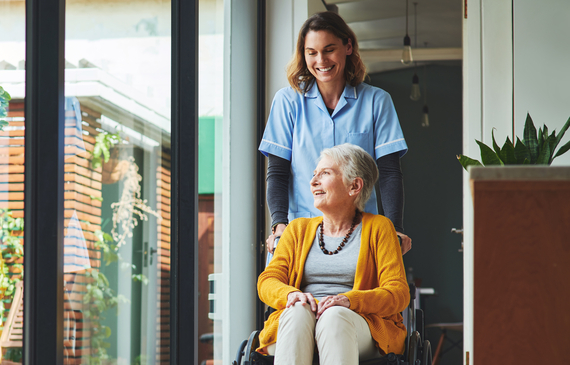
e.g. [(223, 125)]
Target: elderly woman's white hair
[(354, 162)]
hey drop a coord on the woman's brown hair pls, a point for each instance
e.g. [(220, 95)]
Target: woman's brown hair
[(297, 73)]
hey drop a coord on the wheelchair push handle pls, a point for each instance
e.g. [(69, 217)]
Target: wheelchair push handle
[(269, 254)]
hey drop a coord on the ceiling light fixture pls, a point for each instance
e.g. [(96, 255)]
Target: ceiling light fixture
[(407, 53), (415, 94), (425, 110)]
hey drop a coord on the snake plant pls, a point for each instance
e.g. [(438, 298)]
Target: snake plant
[(534, 149)]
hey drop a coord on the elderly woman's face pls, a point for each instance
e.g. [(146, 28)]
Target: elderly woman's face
[(327, 185)]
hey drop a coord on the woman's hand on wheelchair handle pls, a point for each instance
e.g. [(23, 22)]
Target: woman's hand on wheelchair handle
[(303, 298), (406, 244), (332, 301)]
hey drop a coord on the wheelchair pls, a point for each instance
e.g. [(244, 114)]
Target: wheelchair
[(417, 352)]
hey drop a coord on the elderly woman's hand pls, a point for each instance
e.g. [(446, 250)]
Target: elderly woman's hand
[(303, 298), (331, 301)]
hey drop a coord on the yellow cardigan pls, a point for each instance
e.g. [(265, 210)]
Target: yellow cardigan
[(380, 289)]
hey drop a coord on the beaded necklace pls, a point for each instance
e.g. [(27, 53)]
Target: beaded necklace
[(345, 239)]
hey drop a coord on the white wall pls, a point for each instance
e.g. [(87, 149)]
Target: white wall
[(472, 127), (542, 77), (487, 75), (238, 171)]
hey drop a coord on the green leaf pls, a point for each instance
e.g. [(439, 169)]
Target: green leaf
[(544, 155), (97, 150), (495, 145), (560, 135), (552, 143), (521, 152), (507, 153), (467, 161), (540, 138), (106, 154), (562, 150), (96, 162), (488, 156), (530, 139), (93, 197)]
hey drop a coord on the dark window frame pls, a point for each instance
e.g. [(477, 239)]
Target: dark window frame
[(184, 198), (260, 212), (44, 184)]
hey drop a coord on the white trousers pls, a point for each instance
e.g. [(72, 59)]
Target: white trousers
[(340, 335)]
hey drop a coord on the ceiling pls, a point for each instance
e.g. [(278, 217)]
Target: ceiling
[(380, 26)]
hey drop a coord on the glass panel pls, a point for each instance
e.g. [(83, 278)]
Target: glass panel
[(210, 98), (117, 182), (12, 122)]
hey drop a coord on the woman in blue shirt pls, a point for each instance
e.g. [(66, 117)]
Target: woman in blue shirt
[(326, 105)]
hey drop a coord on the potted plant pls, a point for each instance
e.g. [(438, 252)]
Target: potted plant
[(534, 149), (104, 142)]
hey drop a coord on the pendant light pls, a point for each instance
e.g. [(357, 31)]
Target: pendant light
[(407, 53), (425, 110), (415, 94)]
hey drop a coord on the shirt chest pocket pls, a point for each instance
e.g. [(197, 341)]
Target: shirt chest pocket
[(363, 140)]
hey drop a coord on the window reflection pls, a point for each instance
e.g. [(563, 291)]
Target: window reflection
[(12, 123), (117, 183), (210, 226)]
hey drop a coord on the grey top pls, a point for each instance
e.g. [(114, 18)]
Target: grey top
[(331, 274)]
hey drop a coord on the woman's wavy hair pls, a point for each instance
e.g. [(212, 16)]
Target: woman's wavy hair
[(354, 162), (297, 73)]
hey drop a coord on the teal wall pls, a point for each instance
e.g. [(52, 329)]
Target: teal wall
[(206, 154), (433, 188)]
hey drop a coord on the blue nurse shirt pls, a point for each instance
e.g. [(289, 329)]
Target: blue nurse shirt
[(300, 127)]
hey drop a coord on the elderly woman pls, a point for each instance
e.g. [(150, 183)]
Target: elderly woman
[(336, 281)]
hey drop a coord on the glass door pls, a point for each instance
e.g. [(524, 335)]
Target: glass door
[(117, 182), (210, 149), (12, 149)]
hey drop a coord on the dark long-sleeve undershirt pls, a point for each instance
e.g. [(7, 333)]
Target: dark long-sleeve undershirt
[(390, 182)]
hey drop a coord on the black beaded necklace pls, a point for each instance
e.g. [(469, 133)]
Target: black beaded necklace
[(345, 239)]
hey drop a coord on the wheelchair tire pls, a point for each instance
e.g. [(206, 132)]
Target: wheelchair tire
[(426, 358), (414, 343), (239, 354), (252, 345)]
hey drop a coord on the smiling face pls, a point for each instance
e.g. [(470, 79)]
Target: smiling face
[(330, 194), (325, 56)]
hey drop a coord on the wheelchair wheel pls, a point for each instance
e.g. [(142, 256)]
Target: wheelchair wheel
[(252, 345), (426, 358), (239, 354), (413, 347)]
